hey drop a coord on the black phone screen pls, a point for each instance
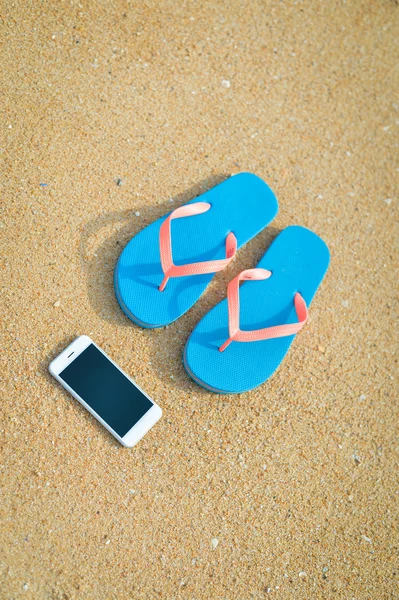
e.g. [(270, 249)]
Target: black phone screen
[(106, 390)]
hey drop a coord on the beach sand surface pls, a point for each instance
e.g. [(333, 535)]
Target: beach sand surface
[(112, 114)]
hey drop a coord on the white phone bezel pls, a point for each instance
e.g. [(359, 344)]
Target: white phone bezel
[(68, 356)]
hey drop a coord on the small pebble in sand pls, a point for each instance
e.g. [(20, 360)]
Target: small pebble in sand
[(362, 397), (226, 83), (137, 213), (215, 542), (388, 201), (107, 542), (348, 153), (25, 586), (57, 303), (325, 569), (367, 539), (356, 458), (345, 303), (43, 184), (119, 181), (302, 574), (321, 349)]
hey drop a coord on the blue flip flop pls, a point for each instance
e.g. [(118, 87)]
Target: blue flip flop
[(241, 342), (155, 288)]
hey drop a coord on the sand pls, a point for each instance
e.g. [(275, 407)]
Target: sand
[(287, 492)]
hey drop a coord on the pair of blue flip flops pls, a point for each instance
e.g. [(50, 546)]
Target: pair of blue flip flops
[(166, 267)]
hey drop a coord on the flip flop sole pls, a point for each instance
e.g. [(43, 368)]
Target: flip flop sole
[(243, 204), (298, 259)]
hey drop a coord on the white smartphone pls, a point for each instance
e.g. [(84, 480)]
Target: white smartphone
[(105, 390)]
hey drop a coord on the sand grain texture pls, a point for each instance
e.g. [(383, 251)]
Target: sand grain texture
[(125, 110)]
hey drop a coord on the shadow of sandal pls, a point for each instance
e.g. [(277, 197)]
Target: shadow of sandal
[(99, 264)]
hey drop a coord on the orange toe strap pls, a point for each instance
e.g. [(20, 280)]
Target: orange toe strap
[(233, 299), (199, 268)]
